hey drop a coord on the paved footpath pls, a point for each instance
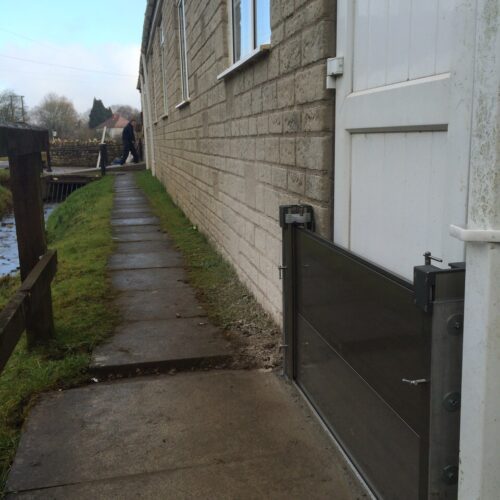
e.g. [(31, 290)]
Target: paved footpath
[(196, 434)]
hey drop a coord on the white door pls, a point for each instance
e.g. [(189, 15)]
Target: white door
[(402, 129)]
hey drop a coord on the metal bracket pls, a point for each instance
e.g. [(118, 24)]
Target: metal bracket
[(424, 281), (301, 215), (334, 67), (280, 271)]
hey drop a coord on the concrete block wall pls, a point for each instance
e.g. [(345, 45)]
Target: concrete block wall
[(260, 138)]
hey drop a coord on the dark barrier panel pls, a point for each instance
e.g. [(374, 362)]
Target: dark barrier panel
[(358, 334)]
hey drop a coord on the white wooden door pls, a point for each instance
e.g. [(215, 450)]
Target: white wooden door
[(402, 129)]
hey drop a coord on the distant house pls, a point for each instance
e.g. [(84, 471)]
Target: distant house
[(114, 126)]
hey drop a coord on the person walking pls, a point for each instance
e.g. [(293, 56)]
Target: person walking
[(128, 139)]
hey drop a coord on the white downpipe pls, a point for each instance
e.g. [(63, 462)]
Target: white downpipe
[(480, 418), (148, 132), (145, 124)]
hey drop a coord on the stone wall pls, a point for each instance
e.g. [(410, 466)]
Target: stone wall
[(80, 154), (244, 145)]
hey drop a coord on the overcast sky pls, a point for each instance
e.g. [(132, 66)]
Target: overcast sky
[(99, 39)]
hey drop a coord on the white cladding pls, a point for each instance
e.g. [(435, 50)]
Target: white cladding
[(397, 189)]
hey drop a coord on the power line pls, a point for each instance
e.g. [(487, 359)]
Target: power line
[(43, 44), (68, 67)]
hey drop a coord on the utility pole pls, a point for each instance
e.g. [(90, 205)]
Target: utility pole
[(22, 108)]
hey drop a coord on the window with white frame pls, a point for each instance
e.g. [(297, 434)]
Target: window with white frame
[(153, 86), (183, 51), (162, 41), (251, 26)]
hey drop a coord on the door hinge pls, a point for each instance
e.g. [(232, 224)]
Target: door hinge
[(334, 67)]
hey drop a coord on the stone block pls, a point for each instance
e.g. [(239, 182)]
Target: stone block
[(314, 152), (296, 181), (318, 187), (290, 55), (286, 91), (275, 123), (310, 84), (279, 177), (291, 122), (269, 96), (317, 42), (287, 151), (272, 149), (318, 118)]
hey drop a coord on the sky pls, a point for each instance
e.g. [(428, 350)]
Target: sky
[(99, 40)]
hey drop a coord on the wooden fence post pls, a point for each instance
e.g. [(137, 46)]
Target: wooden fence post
[(24, 150)]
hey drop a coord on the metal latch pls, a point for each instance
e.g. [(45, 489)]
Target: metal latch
[(304, 218), (415, 382), (334, 67), (300, 215)]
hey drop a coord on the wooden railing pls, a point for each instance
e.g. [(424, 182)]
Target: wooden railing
[(31, 307)]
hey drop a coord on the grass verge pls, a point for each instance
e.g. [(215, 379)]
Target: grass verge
[(80, 231), (227, 301)]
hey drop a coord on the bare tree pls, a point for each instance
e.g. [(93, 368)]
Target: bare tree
[(125, 110), (57, 114), (12, 108)]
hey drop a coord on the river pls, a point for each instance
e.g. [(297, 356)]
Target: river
[(9, 258)]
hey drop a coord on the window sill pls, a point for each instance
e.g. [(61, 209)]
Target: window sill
[(255, 54), (183, 104)]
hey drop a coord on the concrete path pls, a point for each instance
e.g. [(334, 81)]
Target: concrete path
[(164, 327), (205, 434)]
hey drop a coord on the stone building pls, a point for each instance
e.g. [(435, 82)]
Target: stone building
[(383, 116), (243, 128)]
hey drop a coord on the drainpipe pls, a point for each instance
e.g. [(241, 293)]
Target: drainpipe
[(148, 132), (145, 119), (480, 417)]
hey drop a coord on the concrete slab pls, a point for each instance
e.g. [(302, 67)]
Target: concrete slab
[(140, 236), (135, 212), (164, 259), (147, 279), (221, 434), (136, 221), (134, 197), (130, 203), (167, 303), (132, 247), (181, 343), (119, 230)]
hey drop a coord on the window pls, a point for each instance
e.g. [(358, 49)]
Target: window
[(162, 67), (183, 52), (153, 87), (251, 26)]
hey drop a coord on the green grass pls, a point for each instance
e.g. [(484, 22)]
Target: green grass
[(5, 194), (4, 177), (5, 200), (82, 299), (227, 301)]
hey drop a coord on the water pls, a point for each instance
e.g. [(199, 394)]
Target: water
[(9, 257)]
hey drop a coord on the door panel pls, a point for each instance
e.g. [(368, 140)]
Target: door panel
[(398, 184), (390, 173)]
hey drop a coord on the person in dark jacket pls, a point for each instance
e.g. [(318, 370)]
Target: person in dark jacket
[(128, 139)]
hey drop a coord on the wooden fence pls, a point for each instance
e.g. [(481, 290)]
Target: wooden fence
[(31, 307)]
